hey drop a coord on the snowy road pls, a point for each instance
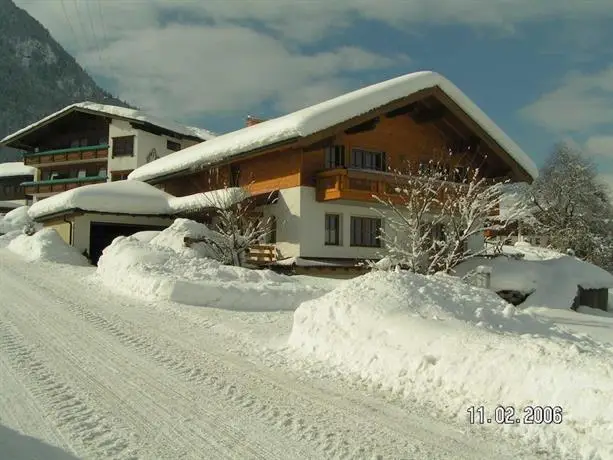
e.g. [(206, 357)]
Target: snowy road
[(102, 376)]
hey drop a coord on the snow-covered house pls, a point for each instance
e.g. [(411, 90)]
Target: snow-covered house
[(88, 143), (324, 163), (12, 193)]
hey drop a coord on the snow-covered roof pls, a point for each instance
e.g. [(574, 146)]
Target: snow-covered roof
[(115, 112), (324, 115), (16, 169), (131, 197), (121, 197)]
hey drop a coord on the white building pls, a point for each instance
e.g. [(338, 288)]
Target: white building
[(88, 143)]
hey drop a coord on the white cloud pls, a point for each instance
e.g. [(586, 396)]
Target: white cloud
[(581, 102), (188, 58), (600, 145)]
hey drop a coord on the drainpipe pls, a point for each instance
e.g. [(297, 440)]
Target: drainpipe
[(69, 222)]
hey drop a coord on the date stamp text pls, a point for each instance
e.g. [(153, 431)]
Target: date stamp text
[(509, 415)]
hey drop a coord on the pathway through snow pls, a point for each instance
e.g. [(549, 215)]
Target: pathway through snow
[(103, 376)]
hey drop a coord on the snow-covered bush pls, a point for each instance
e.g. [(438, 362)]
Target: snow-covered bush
[(436, 212), (17, 219), (48, 246)]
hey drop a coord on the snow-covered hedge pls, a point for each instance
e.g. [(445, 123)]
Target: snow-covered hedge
[(439, 340), (164, 269), (48, 246)]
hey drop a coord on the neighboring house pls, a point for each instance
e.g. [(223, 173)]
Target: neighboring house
[(91, 217), (12, 193), (323, 163), (88, 143)]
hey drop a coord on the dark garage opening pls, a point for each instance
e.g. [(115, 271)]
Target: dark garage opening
[(102, 235)]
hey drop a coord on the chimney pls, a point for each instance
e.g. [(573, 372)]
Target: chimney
[(252, 121)]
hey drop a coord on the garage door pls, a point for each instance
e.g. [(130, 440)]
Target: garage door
[(102, 234)]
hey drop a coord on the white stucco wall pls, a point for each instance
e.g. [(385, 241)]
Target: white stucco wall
[(81, 226), (301, 225), (144, 143)]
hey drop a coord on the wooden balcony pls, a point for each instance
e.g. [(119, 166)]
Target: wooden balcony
[(50, 187), (359, 185), (87, 154), (355, 185)]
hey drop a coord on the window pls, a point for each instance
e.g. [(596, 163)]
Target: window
[(365, 232), (366, 159), (333, 230), (102, 172), (119, 175), (173, 146), (335, 157), (82, 173), (123, 146)]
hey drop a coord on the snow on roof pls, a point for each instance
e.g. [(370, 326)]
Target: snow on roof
[(116, 112), (133, 197), (324, 115), (121, 197), (218, 199), (15, 169)]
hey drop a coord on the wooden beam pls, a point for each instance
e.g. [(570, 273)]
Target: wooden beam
[(365, 126)]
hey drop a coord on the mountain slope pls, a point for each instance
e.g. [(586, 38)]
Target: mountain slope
[(37, 76)]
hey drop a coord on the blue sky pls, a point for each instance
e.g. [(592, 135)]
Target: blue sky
[(542, 70)]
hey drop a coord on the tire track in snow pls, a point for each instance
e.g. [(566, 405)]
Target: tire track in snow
[(338, 441), (148, 397), (73, 414)]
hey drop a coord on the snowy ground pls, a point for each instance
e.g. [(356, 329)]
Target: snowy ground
[(89, 374)]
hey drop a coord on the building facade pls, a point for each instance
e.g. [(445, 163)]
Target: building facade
[(89, 143), (325, 164)]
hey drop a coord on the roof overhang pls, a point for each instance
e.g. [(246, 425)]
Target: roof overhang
[(75, 212)]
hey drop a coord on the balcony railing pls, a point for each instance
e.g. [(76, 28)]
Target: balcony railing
[(360, 185), (59, 185), (357, 185), (73, 154)]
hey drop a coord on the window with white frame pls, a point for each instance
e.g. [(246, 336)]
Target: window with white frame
[(366, 232), (367, 159), (333, 230)]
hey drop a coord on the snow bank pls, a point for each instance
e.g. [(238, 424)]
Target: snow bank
[(321, 116), (145, 236), (162, 270), (15, 220), (550, 282), (173, 238), (46, 245), (8, 237), (16, 168), (439, 340)]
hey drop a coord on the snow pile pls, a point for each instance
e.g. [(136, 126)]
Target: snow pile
[(16, 169), (439, 340), (550, 278), (15, 220), (46, 245), (165, 270), (174, 236), (321, 116), (6, 238), (119, 112), (145, 236)]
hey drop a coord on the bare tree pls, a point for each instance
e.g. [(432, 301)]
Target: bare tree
[(237, 226), (436, 210)]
